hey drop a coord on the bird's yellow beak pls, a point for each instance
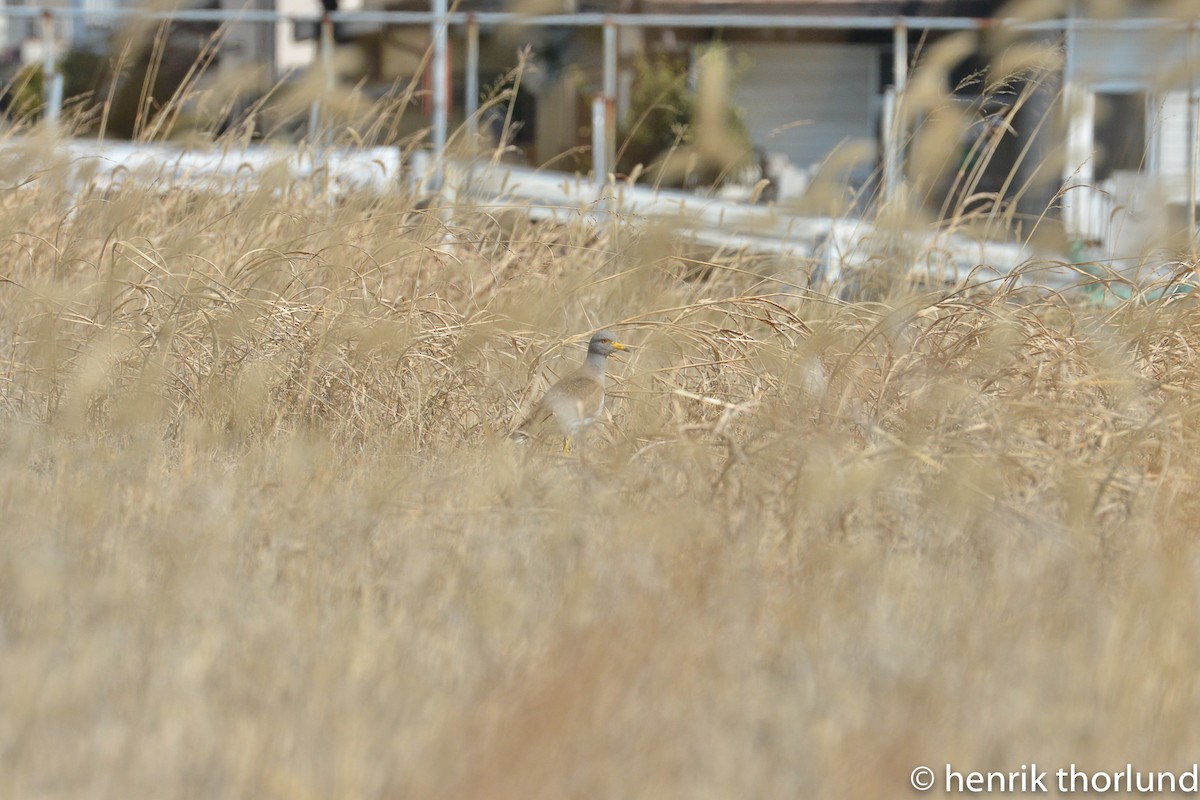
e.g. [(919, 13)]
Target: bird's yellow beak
[(619, 346)]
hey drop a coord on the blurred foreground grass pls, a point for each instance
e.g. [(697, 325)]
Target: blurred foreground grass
[(262, 534)]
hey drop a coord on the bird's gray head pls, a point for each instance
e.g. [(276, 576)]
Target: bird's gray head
[(604, 344)]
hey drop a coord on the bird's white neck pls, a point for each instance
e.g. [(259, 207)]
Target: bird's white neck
[(595, 363)]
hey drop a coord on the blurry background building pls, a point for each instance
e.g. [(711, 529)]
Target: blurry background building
[(1116, 120)]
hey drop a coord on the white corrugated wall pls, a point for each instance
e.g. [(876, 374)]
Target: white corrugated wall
[(802, 100)]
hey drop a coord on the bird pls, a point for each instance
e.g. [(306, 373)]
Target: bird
[(577, 400)]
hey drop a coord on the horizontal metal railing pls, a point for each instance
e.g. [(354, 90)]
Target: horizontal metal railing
[(596, 20)]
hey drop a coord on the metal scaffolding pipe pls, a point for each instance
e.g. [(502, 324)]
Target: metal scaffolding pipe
[(610, 96), (471, 101), (610, 58), (595, 20), (1072, 215), (900, 55), (891, 147), (1193, 161), (52, 80), (894, 114), (600, 165), (441, 99), (325, 54)]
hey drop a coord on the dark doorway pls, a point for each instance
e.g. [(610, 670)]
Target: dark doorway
[(1120, 132)]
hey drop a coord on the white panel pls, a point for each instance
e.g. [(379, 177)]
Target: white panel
[(1081, 134), (1084, 209), (1131, 56), (803, 100), (1172, 134), (289, 53), (1174, 141)]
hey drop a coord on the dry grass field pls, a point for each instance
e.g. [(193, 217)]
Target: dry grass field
[(262, 533)]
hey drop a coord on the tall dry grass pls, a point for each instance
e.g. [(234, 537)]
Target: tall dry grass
[(263, 535)]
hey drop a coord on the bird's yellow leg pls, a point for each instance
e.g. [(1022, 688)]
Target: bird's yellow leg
[(567, 446)]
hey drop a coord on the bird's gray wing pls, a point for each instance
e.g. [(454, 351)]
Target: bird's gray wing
[(572, 399)]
